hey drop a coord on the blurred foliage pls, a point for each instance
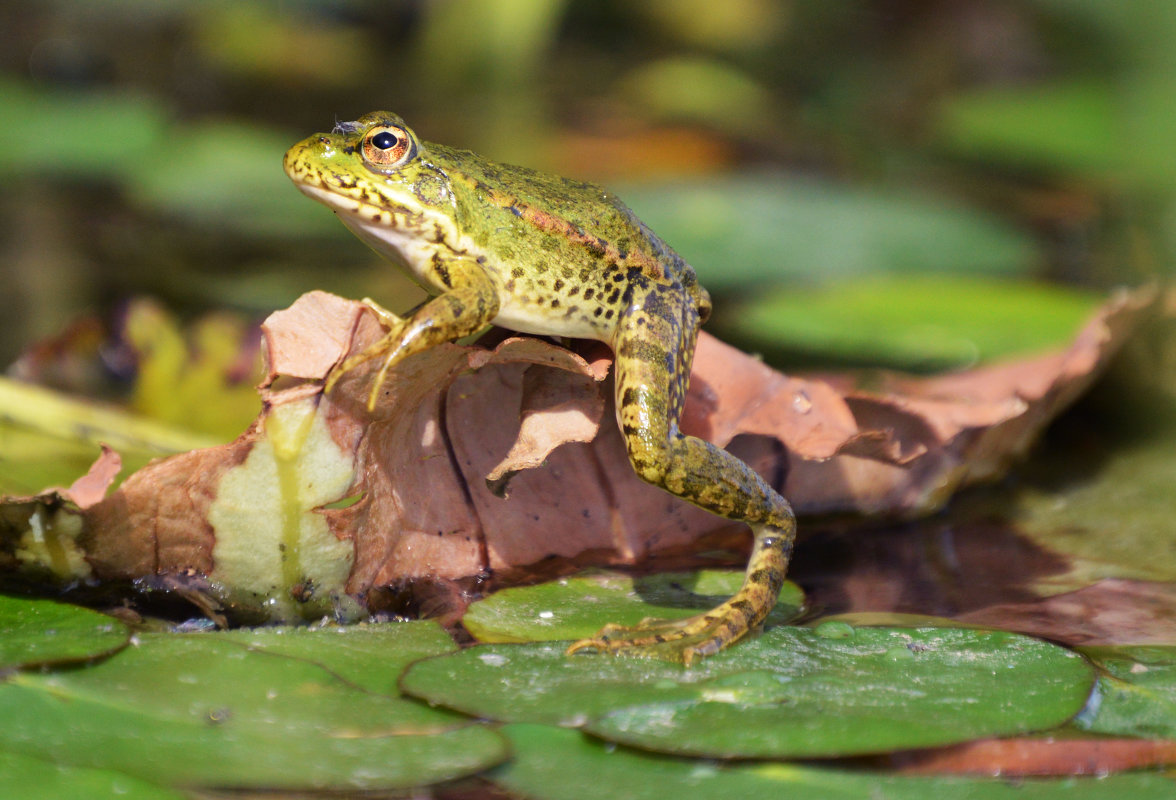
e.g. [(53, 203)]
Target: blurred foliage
[(916, 323), (822, 142)]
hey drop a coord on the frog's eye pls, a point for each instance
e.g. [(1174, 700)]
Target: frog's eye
[(387, 148)]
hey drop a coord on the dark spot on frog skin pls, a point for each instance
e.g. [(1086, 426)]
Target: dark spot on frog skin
[(614, 296), (559, 284), (588, 293)]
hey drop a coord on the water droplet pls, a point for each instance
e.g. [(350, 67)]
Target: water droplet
[(801, 402), (834, 629), (493, 659), (900, 653)]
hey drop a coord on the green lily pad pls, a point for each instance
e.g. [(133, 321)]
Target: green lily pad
[(55, 132), (1130, 495), (369, 656), (577, 607), (913, 322), (745, 230), (791, 692), (27, 778), (229, 177), (206, 710), (1136, 692), (1067, 126), (554, 762), (38, 632), (887, 619)]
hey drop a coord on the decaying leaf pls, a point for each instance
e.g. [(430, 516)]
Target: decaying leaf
[(321, 504), (1017, 757)]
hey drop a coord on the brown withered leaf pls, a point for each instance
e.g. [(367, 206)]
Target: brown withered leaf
[(320, 501), (1043, 756), (957, 429), (1112, 611), (91, 488)]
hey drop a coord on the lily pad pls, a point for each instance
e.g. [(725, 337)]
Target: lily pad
[(39, 632), (554, 762), (369, 656), (1136, 692), (790, 693), (1130, 493), (205, 710), (28, 778), (744, 230), (577, 607), (1066, 126), (913, 322), (119, 129)]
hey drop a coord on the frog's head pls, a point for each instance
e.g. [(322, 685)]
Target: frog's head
[(376, 175)]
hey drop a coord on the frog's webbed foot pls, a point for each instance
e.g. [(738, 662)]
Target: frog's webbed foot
[(388, 346), (469, 305), (682, 640), (688, 639)]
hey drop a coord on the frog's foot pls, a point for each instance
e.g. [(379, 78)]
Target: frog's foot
[(387, 347), (683, 640), (688, 639)]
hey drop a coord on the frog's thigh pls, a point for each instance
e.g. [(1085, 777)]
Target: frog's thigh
[(655, 348)]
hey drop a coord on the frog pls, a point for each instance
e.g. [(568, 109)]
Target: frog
[(503, 245)]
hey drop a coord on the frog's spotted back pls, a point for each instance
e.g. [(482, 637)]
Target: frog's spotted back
[(543, 254)]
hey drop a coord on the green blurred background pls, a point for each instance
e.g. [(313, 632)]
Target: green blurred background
[(915, 183)]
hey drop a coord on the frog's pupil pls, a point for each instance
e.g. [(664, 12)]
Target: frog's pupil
[(384, 140)]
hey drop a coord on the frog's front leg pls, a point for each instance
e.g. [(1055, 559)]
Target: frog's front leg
[(654, 348), (469, 305)]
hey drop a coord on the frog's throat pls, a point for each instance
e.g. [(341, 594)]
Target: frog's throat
[(400, 229)]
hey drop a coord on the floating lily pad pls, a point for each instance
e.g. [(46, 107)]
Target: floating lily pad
[(370, 656), (792, 692), (745, 230), (119, 129), (913, 322), (1067, 126), (206, 710), (37, 632), (28, 778), (1130, 494), (1136, 692), (577, 607), (224, 163), (554, 762)]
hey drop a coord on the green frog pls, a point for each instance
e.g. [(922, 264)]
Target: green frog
[(509, 246)]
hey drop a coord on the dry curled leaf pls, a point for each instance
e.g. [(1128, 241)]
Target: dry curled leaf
[(1038, 757), (321, 504)]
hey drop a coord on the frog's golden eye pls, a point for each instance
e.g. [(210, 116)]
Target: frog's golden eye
[(387, 148)]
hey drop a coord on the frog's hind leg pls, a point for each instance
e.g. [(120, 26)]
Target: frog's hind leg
[(654, 349)]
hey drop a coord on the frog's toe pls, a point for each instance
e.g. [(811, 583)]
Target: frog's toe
[(387, 318), (683, 640)]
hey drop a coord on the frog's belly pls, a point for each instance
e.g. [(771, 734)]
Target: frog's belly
[(545, 321)]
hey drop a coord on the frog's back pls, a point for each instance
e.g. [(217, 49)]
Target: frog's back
[(596, 225)]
